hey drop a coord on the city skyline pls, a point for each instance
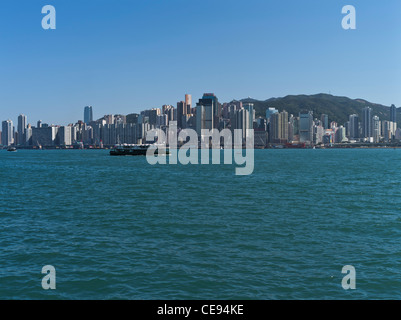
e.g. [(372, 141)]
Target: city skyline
[(132, 61), (277, 128), (95, 116)]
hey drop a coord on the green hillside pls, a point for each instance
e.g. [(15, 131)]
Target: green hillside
[(337, 108)]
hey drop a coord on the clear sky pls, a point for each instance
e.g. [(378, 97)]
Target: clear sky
[(125, 56)]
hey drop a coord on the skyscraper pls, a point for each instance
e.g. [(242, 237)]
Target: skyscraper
[(188, 103), (204, 117), (269, 112), (88, 114), (181, 112), (7, 135), (341, 135), (376, 129), (367, 122), (393, 113), (354, 126), (279, 127), (206, 112), (306, 126), (22, 125), (251, 117)]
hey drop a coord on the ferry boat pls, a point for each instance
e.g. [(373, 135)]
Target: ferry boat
[(132, 150), (12, 149)]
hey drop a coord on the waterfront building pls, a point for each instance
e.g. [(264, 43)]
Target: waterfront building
[(249, 107), (353, 126), (318, 133), (65, 135), (388, 130), (206, 112), (129, 133), (22, 125), (181, 112), (376, 129), (241, 121), (279, 127), (211, 107), (367, 122), (45, 136), (340, 135), (28, 135), (398, 134), (306, 126), (260, 137), (328, 138), (7, 135)]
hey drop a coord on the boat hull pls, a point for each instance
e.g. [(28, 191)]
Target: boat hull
[(131, 151)]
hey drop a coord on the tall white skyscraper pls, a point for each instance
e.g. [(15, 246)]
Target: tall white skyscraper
[(376, 129), (7, 135)]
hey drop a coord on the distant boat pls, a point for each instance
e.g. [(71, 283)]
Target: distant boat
[(12, 149)]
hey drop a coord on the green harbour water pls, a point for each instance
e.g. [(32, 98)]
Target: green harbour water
[(120, 228)]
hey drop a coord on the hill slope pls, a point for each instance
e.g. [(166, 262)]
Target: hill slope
[(337, 108)]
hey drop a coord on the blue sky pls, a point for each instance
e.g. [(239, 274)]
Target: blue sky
[(125, 56)]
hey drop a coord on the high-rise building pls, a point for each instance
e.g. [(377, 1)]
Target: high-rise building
[(388, 130), (243, 119), (65, 136), (367, 122), (206, 113), (251, 117), (88, 114), (45, 136), (188, 103), (28, 135), (210, 99), (325, 121), (393, 113), (22, 125), (7, 134), (318, 134), (181, 112), (340, 135), (306, 126), (353, 126), (376, 129), (279, 127), (204, 117), (269, 112)]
